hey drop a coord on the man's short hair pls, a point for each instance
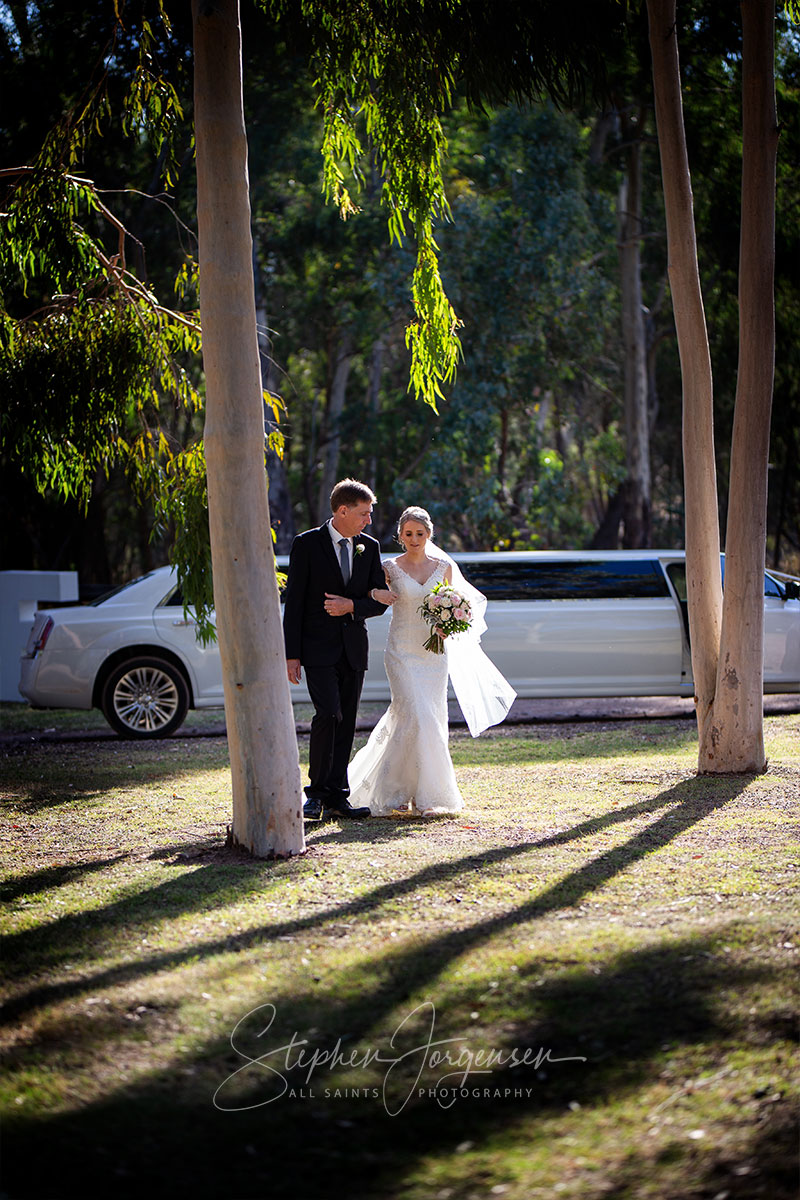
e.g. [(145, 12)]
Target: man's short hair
[(351, 492)]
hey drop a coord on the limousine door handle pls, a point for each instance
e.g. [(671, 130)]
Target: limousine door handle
[(183, 622)]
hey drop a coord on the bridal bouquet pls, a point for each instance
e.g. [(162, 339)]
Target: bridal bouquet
[(446, 611)]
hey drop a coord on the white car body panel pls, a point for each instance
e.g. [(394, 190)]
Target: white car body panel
[(781, 642), (548, 648), (179, 632), (555, 648)]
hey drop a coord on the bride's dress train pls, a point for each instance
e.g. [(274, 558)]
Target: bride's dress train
[(406, 760)]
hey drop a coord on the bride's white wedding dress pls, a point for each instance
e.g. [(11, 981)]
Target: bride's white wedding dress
[(406, 760)]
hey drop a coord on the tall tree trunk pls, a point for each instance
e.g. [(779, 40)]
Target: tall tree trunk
[(736, 740), (267, 814), (280, 502), (637, 492), (727, 638), (374, 404), (342, 358), (703, 580)]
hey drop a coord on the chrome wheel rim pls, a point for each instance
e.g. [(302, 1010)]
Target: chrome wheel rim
[(146, 699)]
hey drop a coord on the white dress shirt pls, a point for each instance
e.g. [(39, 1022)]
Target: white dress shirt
[(336, 537)]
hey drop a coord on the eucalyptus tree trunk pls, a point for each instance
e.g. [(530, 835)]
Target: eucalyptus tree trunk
[(703, 582), (280, 501), (267, 816), (374, 403), (737, 734), (342, 358), (637, 492), (727, 636)]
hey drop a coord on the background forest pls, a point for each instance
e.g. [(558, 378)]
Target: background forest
[(556, 235)]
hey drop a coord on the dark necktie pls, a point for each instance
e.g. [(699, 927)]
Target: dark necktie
[(344, 558)]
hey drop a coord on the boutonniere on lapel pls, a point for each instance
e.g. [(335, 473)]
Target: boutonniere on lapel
[(358, 548)]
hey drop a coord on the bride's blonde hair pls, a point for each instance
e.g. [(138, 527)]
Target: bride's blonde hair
[(414, 513)]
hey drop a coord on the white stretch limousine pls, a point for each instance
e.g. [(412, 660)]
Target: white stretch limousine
[(587, 623)]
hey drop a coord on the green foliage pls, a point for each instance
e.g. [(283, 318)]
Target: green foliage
[(181, 501), (95, 348), (531, 266), (432, 339), (69, 381), (93, 369), (152, 106), (536, 400), (44, 244), (91, 363), (360, 81), (528, 450), (393, 72)]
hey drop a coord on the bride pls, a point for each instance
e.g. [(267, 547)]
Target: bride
[(406, 764)]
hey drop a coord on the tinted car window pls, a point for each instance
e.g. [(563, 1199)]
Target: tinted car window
[(599, 580), (677, 573)]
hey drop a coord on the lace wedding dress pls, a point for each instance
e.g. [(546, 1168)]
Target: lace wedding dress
[(406, 760)]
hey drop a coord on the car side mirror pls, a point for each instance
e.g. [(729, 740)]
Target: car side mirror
[(791, 590)]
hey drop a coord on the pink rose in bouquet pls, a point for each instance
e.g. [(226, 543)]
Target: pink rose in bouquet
[(447, 612)]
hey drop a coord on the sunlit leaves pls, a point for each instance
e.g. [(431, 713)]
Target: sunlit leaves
[(381, 89), (152, 105), (433, 340), (385, 75), (42, 236)]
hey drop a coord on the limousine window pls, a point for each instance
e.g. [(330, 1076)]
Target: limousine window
[(636, 579), (677, 573)]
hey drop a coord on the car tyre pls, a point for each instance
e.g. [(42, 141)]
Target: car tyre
[(145, 697)]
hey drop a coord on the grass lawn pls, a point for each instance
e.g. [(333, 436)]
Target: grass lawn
[(581, 986)]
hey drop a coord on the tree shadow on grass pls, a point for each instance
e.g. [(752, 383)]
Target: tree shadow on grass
[(708, 793), (75, 935), (163, 1135), (80, 935), (74, 773), (49, 878), (574, 743)]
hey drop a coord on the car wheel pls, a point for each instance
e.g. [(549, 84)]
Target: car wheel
[(145, 698)]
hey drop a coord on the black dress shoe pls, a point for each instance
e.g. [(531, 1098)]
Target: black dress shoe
[(312, 810), (343, 808)]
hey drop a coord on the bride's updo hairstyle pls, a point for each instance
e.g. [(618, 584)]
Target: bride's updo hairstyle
[(414, 513)]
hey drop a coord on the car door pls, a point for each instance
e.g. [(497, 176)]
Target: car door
[(593, 627), (781, 630), (781, 639), (178, 631)]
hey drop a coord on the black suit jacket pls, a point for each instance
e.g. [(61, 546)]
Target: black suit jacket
[(310, 634)]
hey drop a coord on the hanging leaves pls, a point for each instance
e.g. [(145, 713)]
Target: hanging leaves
[(386, 73)]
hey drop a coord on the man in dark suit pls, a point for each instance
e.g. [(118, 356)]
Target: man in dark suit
[(333, 572)]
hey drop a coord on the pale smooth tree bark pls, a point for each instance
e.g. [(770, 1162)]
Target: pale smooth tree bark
[(737, 734), (728, 675), (703, 582), (267, 816)]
